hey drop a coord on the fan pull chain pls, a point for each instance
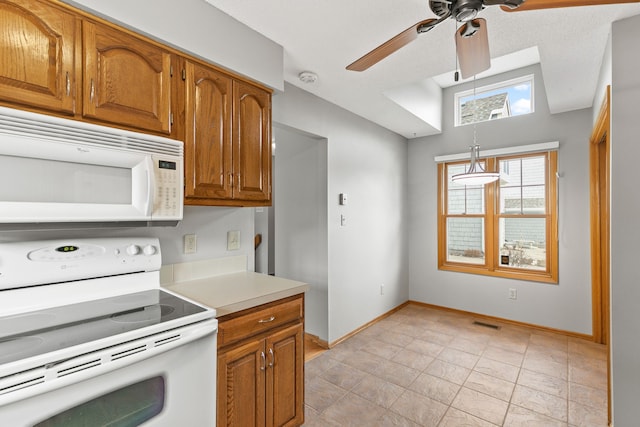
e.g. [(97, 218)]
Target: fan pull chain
[(456, 75)]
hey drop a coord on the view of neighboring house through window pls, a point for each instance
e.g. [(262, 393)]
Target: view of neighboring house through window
[(505, 99), (507, 228)]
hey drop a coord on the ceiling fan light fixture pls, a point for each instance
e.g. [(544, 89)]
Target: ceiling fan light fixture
[(465, 15), (476, 175), (466, 10)]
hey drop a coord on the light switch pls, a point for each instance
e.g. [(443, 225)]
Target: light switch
[(343, 221), (233, 240), (343, 198), (190, 244)]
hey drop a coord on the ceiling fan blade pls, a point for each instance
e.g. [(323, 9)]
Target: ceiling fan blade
[(390, 46), (550, 4), (472, 46)]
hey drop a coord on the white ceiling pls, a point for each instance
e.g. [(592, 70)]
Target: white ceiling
[(324, 36)]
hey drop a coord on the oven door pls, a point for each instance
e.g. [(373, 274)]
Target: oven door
[(166, 389)]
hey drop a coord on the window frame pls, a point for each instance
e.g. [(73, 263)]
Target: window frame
[(491, 216), (457, 110)]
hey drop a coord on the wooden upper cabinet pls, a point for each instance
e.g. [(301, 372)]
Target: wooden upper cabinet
[(252, 142), (37, 55), (207, 133), (126, 79), (227, 136)]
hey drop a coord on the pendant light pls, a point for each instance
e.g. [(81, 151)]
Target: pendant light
[(476, 175)]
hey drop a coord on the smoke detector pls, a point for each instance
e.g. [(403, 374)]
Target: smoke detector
[(308, 77)]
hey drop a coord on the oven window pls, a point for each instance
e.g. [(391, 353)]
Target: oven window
[(126, 407)]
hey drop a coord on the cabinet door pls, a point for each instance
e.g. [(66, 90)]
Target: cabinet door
[(37, 55), (207, 133), (127, 80), (241, 386), (285, 380), (252, 142)]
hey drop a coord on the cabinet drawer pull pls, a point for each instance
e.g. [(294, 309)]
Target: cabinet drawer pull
[(269, 320), (68, 87), (263, 358), (273, 358), (92, 91)]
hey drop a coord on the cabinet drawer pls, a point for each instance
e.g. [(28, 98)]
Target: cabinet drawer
[(259, 321)]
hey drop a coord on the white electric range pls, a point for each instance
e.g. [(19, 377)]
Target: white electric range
[(88, 338)]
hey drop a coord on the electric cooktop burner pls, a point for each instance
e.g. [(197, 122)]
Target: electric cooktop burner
[(30, 334)]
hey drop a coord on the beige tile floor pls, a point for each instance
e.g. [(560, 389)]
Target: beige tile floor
[(428, 367)]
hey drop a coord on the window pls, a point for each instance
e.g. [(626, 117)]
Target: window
[(507, 228), (505, 99)]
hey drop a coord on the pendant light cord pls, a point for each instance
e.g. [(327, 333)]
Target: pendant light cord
[(475, 111)]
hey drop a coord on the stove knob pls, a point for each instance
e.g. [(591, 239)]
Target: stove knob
[(149, 250), (133, 249)]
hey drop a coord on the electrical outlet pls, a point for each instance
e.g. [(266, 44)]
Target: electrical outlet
[(513, 293), (190, 244)]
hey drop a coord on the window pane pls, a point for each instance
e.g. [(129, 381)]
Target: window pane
[(533, 202), (463, 199), (510, 200), (523, 243), (523, 190), (512, 169), (533, 170), (496, 101), (465, 240)]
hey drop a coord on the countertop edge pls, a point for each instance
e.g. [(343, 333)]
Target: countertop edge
[(231, 293), (260, 300)]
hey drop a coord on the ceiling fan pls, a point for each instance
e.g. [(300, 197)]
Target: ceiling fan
[(472, 45)]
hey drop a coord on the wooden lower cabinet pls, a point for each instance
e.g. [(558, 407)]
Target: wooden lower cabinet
[(261, 378)]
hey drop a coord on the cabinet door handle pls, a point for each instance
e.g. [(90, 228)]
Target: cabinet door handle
[(273, 358), (92, 91), (263, 358), (68, 86), (269, 320)]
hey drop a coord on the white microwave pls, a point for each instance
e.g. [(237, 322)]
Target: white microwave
[(58, 173)]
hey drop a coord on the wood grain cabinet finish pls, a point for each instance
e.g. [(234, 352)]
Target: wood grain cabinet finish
[(227, 139), (207, 137), (38, 55), (261, 376), (65, 61), (127, 80), (252, 142)]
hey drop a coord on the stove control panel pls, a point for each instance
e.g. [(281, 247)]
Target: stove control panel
[(53, 261)]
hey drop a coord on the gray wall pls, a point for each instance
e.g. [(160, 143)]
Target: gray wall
[(565, 306), (625, 211), (369, 164), (300, 231)]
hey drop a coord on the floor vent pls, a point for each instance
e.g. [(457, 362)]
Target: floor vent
[(486, 325)]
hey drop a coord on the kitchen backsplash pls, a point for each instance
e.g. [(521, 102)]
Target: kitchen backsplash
[(186, 271)]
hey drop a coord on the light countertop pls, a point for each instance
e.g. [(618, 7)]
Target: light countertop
[(229, 293)]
